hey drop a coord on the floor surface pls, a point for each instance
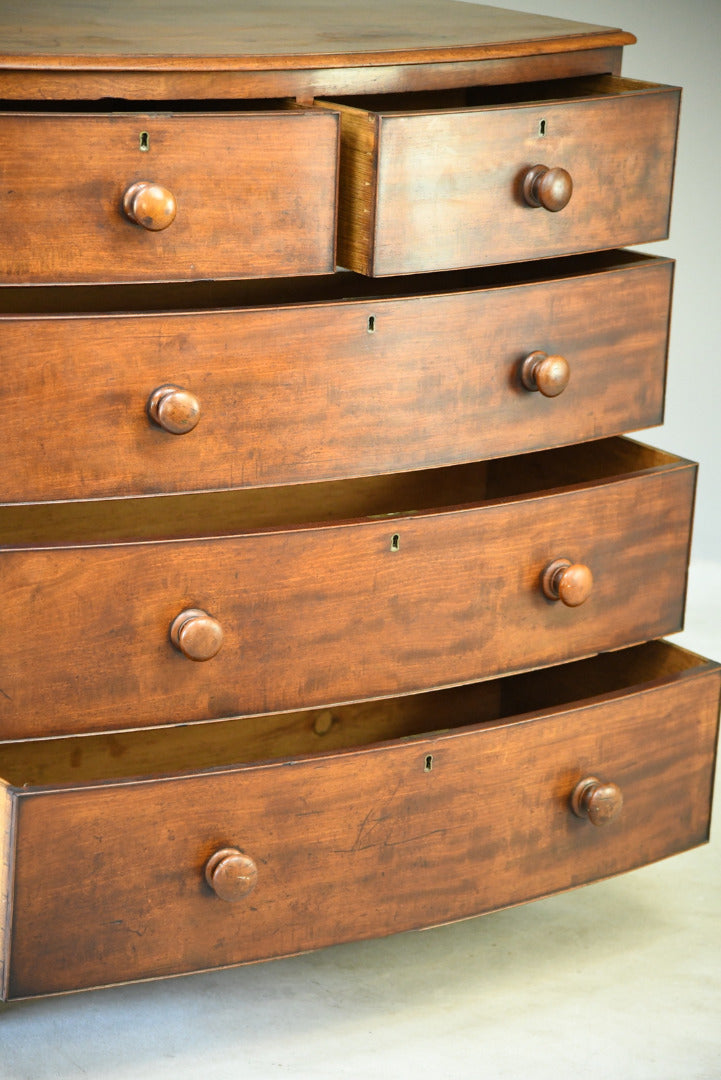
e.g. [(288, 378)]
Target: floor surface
[(617, 980)]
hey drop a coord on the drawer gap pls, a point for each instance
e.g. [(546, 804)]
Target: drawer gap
[(94, 758)]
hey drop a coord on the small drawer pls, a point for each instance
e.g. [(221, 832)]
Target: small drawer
[(435, 182), (149, 854), (159, 611), (282, 385), (106, 197)]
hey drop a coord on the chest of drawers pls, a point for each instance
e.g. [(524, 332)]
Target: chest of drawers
[(333, 596)]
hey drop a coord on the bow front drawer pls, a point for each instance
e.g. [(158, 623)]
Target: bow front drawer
[(163, 197), (538, 783), (159, 611), (279, 385), (489, 176)]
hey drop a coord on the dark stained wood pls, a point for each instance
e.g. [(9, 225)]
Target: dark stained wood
[(336, 612), (196, 634), (247, 35), (149, 205), (303, 83), (374, 841), (255, 195), (425, 188), (597, 801), (300, 390), (571, 583)]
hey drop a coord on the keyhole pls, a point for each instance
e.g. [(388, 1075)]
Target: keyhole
[(429, 763), (542, 128), (144, 141), (395, 542), (371, 324)]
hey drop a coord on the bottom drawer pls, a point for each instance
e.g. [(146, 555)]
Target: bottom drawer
[(145, 854)]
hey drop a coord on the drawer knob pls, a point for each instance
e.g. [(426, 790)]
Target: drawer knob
[(174, 409), (549, 188), (571, 583), (231, 874), (597, 801), (196, 634), (549, 374), (150, 205)]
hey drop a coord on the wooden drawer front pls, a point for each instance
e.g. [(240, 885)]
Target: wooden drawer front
[(109, 878), (255, 196), (345, 610), (306, 392), (442, 188)]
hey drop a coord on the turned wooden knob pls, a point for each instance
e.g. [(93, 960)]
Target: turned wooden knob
[(231, 874), (597, 801), (196, 634), (150, 205), (549, 188), (174, 409), (549, 374), (571, 583)]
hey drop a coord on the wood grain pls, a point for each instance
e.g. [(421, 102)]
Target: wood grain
[(296, 392), (193, 747), (255, 191), (331, 612), (304, 83), (372, 842), (447, 190), (245, 34)]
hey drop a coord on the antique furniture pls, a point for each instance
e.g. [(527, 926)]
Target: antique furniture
[(332, 595)]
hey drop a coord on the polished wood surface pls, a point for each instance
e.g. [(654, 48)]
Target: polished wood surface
[(375, 841), (294, 386), (231, 874), (597, 801), (549, 374), (255, 195), (188, 747), (301, 83), (413, 598), (434, 188), (149, 205), (571, 583), (277, 34)]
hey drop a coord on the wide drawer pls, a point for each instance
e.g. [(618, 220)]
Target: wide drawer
[(104, 878), (335, 592), (441, 181), (161, 197), (279, 385)]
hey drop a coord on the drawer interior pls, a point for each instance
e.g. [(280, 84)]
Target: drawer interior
[(94, 758), (234, 512), (38, 301), (553, 90)]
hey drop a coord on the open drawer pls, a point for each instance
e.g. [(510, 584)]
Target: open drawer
[(177, 388), (149, 854), (468, 178), (160, 611)]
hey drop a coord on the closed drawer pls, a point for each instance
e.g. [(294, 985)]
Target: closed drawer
[(536, 784), (438, 181), (335, 592), (319, 384), (154, 197)]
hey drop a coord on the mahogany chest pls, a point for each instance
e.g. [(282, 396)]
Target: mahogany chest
[(333, 591)]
